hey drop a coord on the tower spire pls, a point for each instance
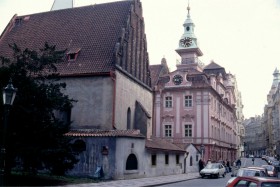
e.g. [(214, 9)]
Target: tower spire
[(188, 8)]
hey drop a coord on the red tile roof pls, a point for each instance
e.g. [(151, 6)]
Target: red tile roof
[(94, 30), (105, 133), (158, 144)]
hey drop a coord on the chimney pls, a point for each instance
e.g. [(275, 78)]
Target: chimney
[(62, 4)]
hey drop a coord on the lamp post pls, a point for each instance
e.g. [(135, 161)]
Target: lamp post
[(9, 94)]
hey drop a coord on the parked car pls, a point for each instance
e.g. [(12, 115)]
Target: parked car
[(275, 163), (271, 170), (254, 181), (261, 169), (269, 160), (213, 170), (249, 172)]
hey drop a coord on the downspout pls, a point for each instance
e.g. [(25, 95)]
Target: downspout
[(113, 77)]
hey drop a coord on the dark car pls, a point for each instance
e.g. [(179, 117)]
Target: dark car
[(271, 170), (254, 181)]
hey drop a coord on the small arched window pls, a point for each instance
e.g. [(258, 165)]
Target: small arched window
[(191, 161), (128, 120), (131, 162)]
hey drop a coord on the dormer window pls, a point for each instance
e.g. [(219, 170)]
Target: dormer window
[(18, 21), (72, 54)]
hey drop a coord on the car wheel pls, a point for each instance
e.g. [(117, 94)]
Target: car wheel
[(223, 175), (217, 176)]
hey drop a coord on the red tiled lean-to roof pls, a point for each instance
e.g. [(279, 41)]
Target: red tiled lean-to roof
[(158, 144), (94, 30), (105, 133)]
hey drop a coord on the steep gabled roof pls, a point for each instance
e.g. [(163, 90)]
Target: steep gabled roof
[(94, 30), (158, 70)]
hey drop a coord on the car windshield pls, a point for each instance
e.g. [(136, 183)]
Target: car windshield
[(270, 184), (212, 166), (243, 172)]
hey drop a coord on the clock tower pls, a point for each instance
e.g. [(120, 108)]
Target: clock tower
[(188, 48)]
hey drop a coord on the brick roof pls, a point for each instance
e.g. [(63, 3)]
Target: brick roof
[(104, 133), (94, 30), (158, 144)]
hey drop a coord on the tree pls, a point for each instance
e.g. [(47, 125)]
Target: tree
[(35, 135)]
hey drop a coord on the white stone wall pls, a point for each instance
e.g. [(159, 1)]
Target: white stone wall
[(127, 93), (94, 96), (193, 152)]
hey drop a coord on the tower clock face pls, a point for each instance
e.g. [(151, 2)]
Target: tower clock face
[(186, 42), (177, 79)]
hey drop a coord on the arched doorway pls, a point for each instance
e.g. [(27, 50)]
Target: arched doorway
[(131, 162)]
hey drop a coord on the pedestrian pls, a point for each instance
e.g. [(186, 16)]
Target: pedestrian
[(238, 163), (253, 159), (228, 166), (200, 164)]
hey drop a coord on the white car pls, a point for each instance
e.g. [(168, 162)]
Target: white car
[(213, 170)]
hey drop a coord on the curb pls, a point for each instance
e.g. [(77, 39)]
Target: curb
[(164, 183)]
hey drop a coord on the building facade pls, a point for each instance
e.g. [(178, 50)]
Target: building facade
[(255, 143), (106, 70), (271, 117), (196, 104)]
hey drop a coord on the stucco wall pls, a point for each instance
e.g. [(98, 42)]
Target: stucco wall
[(161, 168), (95, 101), (92, 157), (193, 153), (127, 93), (125, 147)]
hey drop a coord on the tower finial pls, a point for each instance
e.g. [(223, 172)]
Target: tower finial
[(188, 8)]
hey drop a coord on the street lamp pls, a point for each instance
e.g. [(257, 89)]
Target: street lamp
[(9, 94)]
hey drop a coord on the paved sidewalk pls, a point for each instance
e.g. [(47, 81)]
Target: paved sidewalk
[(143, 182)]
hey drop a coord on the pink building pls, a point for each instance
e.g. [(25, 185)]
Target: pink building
[(195, 104)]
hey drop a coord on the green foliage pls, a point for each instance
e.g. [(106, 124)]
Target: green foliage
[(35, 135)]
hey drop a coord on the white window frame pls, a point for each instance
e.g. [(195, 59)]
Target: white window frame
[(189, 130), (168, 131), (168, 103), (188, 101)]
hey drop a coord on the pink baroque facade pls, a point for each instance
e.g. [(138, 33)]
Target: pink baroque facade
[(195, 104)]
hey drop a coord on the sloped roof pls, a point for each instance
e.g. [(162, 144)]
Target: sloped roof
[(155, 72), (105, 133), (158, 144), (213, 65), (158, 70), (93, 29)]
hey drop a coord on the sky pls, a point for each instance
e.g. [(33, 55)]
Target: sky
[(243, 36)]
